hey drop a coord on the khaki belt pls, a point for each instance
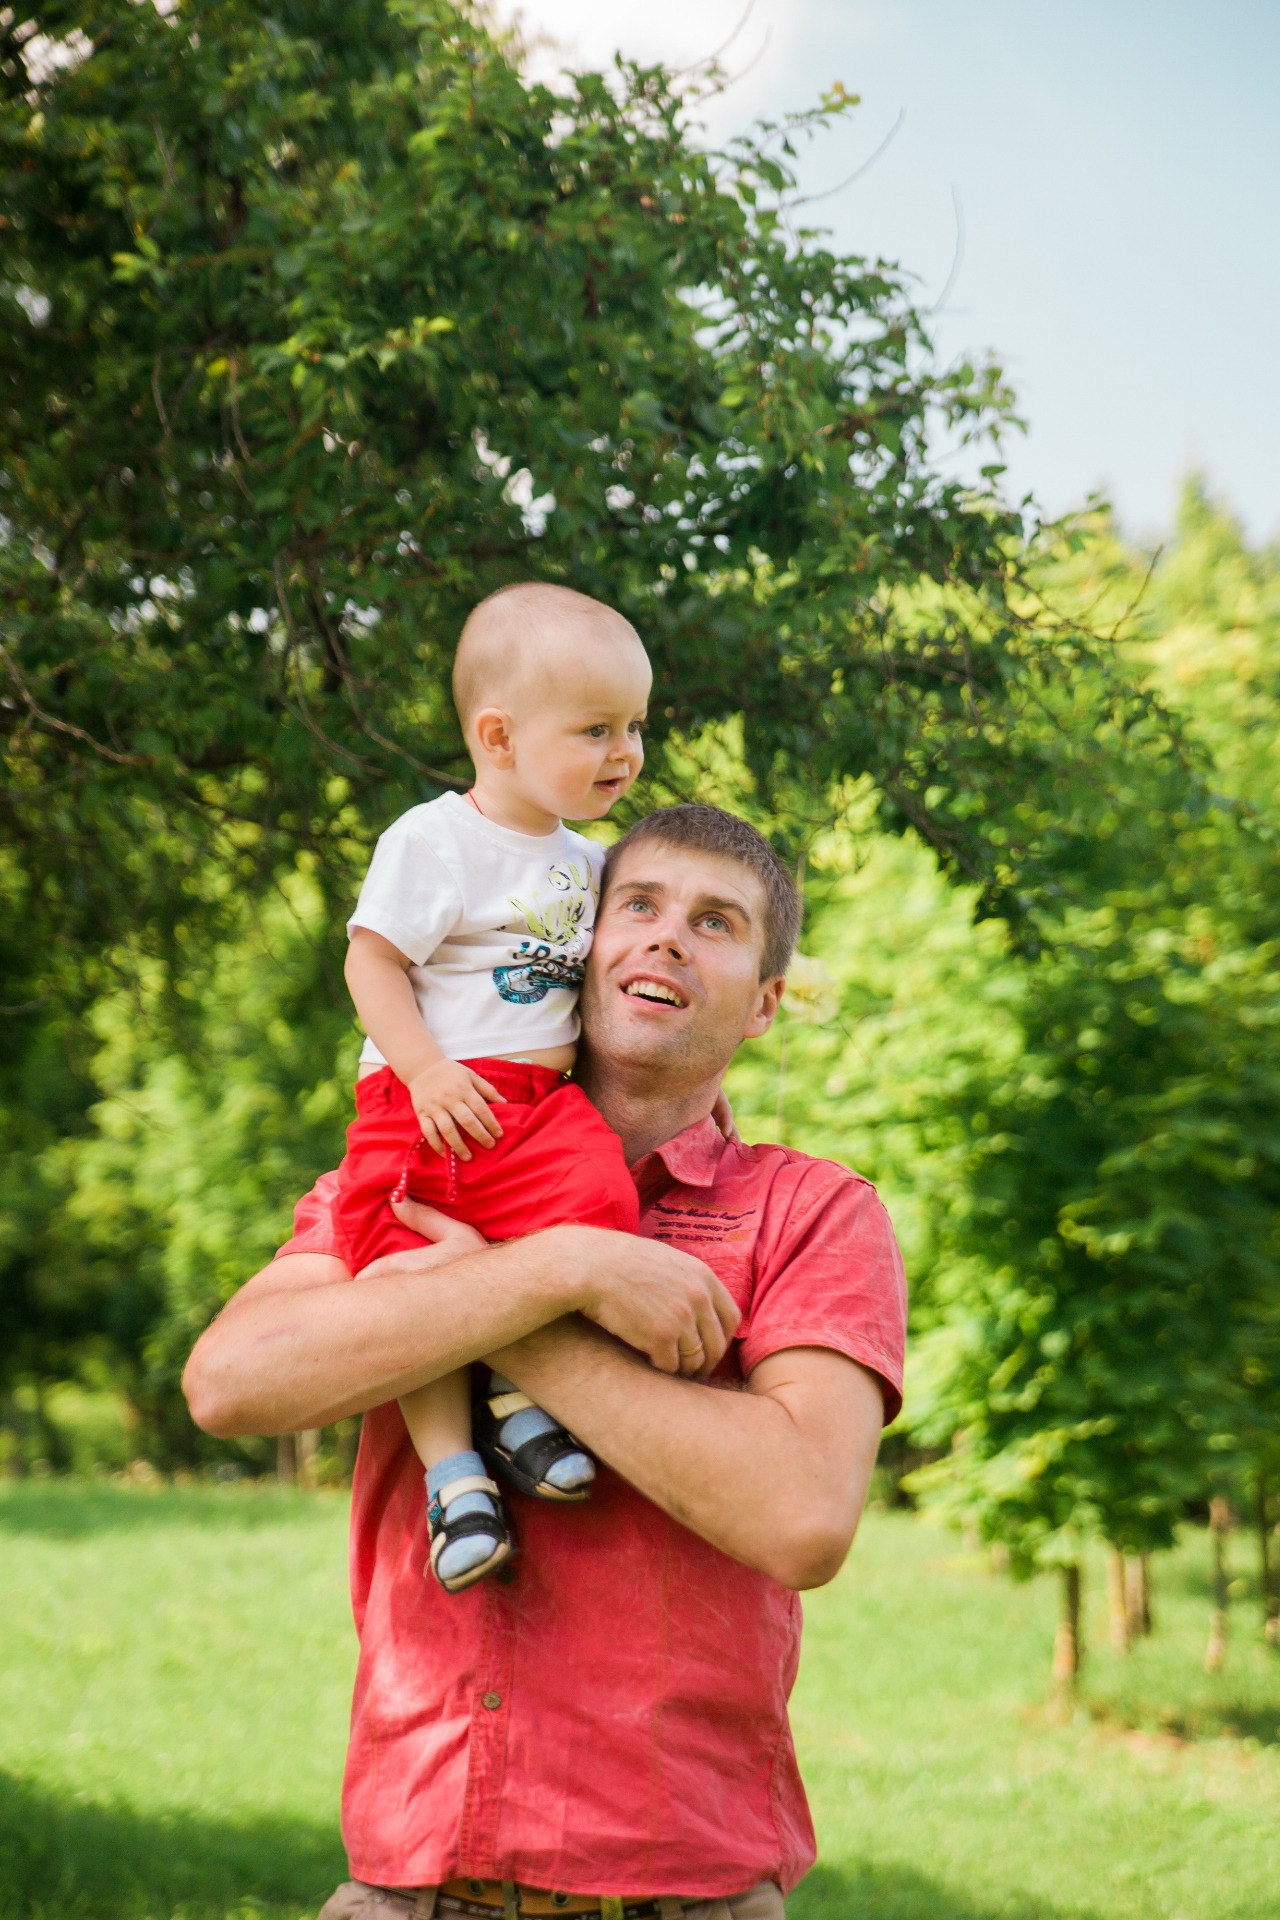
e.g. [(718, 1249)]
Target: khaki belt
[(485, 1899)]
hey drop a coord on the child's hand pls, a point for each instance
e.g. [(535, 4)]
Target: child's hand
[(451, 1102)]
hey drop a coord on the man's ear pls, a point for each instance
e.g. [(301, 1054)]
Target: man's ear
[(491, 730), (770, 999)]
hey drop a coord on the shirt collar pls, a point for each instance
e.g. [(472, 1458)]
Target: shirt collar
[(691, 1157)]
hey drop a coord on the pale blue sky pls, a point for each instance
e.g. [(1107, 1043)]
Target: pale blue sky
[(1118, 172)]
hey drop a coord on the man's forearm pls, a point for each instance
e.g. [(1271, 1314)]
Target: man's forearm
[(775, 1475), (284, 1356)]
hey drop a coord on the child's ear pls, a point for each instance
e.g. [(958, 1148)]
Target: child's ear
[(492, 731)]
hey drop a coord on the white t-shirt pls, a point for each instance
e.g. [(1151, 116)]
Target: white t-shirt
[(497, 924)]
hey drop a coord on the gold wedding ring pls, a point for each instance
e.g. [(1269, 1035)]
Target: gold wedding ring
[(687, 1353)]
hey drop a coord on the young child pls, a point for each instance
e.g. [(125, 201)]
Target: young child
[(467, 950)]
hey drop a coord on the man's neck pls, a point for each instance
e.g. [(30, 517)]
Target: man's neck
[(645, 1112)]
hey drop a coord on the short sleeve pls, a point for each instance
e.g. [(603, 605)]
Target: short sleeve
[(315, 1224), (409, 896), (829, 1274)]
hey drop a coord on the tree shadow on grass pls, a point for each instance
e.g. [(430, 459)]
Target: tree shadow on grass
[(75, 1510), (61, 1859), (1218, 1718), (867, 1891)]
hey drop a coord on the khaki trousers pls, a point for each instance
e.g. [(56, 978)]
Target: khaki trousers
[(353, 1900)]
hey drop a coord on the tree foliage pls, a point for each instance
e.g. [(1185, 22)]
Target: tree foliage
[(322, 323), (1081, 1141)]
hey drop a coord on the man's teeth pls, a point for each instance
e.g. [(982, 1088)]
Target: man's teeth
[(651, 990)]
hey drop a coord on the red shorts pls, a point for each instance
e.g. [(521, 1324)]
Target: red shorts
[(557, 1163)]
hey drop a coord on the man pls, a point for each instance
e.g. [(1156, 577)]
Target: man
[(610, 1726)]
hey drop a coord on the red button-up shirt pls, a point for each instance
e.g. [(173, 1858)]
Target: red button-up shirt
[(614, 1719)]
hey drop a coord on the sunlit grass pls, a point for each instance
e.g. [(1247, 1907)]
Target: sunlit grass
[(942, 1790), (175, 1675), (175, 1668)]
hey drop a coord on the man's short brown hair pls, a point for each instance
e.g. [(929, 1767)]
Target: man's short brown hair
[(702, 829)]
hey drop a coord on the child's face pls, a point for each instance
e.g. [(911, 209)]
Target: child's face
[(582, 750), (575, 752)]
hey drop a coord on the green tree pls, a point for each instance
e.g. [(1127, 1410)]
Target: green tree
[(323, 323), (186, 1178), (1079, 1137)]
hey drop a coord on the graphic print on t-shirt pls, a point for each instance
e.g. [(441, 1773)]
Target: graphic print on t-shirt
[(555, 955)]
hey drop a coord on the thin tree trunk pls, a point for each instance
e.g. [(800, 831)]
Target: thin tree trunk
[(1268, 1574), (306, 1446), (1219, 1521), (286, 1460), (1137, 1594), (1067, 1651), (1117, 1600)]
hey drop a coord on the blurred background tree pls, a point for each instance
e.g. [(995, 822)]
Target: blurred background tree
[(321, 325), (1077, 1133)]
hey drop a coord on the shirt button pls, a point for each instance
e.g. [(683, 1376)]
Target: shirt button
[(492, 1701)]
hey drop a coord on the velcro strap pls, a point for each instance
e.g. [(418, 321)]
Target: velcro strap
[(462, 1528), (503, 1405), (533, 1457), (469, 1483)]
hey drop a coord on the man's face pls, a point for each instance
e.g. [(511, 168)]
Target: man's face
[(673, 982)]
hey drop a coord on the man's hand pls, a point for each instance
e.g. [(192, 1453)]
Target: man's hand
[(665, 1303), (452, 1103)]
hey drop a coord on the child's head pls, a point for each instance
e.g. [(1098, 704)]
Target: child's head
[(551, 688)]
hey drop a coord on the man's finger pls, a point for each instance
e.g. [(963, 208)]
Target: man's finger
[(665, 1356), (434, 1225), (711, 1336), (692, 1359), (727, 1309)]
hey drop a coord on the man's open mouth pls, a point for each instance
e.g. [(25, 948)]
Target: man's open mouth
[(655, 990)]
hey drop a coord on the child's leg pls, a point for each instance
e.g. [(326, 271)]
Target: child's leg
[(468, 1531), (439, 1417)]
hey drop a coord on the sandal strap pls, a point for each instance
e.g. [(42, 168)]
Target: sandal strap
[(465, 1524), (503, 1405), (469, 1483), (535, 1456)]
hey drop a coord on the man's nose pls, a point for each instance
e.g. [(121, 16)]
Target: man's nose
[(671, 935)]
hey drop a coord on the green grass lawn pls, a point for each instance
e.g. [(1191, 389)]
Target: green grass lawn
[(175, 1669)]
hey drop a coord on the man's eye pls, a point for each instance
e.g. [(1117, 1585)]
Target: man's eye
[(716, 923), (636, 906)]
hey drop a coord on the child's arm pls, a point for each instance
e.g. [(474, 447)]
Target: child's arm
[(449, 1099)]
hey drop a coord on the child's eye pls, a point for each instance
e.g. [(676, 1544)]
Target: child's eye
[(636, 726), (595, 733)]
